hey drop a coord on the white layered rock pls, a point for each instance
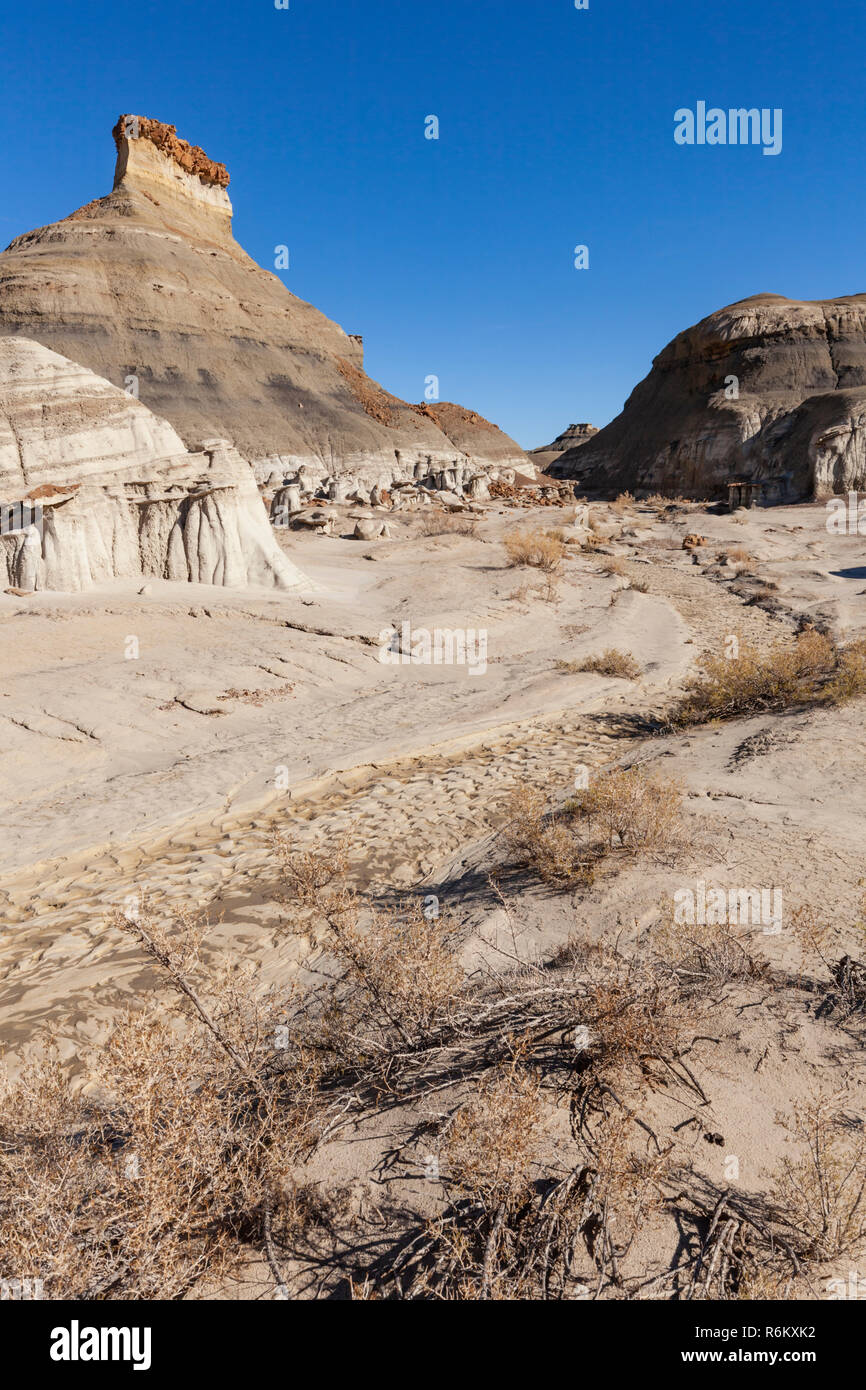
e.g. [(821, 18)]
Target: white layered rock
[(95, 487)]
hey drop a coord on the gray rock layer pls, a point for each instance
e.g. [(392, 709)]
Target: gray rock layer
[(148, 282), (768, 387)]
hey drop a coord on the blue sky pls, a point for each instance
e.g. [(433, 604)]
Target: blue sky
[(455, 257)]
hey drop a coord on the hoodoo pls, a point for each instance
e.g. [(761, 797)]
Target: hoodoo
[(148, 282)]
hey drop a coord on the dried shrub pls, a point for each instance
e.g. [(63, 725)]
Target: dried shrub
[(812, 669), (822, 1194), (610, 663), (488, 1148), (842, 983), (535, 547), (537, 839), (397, 971), (848, 681), (627, 809), (706, 958), (177, 1154), (512, 1229), (623, 810)]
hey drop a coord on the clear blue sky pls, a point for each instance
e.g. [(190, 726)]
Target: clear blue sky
[(455, 257)]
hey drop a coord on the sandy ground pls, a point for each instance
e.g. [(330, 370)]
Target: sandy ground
[(126, 776), (168, 772)]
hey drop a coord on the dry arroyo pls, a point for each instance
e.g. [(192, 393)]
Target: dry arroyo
[(412, 763), (552, 1021)]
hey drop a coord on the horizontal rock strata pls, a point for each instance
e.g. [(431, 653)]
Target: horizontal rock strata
[(768, 389), (96, 487), (149, 282)]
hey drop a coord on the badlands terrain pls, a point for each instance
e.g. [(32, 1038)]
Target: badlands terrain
[(429, 870), (247, 715)]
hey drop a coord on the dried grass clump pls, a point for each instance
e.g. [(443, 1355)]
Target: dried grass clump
[(535, 547), (811, 670), (624, 810), (659, 499), (612, 566), (437, 523), (545, 590), (622, 503), (610, 663)]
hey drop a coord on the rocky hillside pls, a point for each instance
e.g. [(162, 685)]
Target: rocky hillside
[(475, 436), (572, 438), (148, 282), (766, 388)]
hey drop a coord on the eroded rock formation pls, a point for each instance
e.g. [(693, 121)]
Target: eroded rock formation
[(481, 441), (769, 388), (95, 487), (572, 438), (149, 282)]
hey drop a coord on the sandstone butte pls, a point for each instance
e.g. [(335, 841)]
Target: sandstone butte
[(149, 282), (571, 438), (768, 389)]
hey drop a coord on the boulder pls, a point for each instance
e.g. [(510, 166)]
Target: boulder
[(450, 501), (369, 529)]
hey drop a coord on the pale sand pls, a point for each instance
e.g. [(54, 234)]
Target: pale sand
[(110, 795)]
